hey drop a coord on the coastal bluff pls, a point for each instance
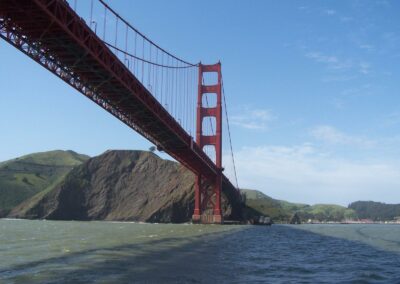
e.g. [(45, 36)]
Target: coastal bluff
[(120, 185)]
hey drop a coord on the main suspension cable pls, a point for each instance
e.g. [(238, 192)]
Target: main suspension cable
[(229, 134), (142, 35)]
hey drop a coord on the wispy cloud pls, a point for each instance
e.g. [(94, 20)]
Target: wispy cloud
[(364, 68), (383, 3), (367, 47), (346, 19), (329, 12), (256, 119), (341, 100), (390, 42), (333, 62), (338, 77), (391, 119), (339, 103), (331, 135), (303, 173)]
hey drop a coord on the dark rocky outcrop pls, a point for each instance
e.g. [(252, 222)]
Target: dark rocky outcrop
[(295, 219), (119, 185)]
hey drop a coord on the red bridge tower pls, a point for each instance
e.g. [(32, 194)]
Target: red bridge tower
[(207, 208)]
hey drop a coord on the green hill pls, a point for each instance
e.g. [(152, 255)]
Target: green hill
[(121, 185), (258, 203), (28, 181), (376, 211), (327, 212), (23, 177), (282, 211)]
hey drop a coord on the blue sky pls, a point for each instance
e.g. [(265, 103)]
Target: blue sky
[(312, 89)]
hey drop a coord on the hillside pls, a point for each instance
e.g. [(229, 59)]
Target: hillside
[(278, 210), (282, 211), (118, 185), (139, 186), (376, 211), (23, 177)]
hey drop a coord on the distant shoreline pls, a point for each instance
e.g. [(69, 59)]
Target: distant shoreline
[(352, 223)]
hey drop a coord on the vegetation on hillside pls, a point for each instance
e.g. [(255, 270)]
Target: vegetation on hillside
[(121, 185), (282, 211), (27, 182), (23, 177), (376, 211)]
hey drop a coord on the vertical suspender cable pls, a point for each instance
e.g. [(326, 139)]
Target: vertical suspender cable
[(116, 35), (104, 23), (185, 105), (126, 45), (149, 70), (162, 79), (91, 13), (176, 85), (155, 73), (142, 60), (167, 85), (172, 89), (135, 66), (229, 135)]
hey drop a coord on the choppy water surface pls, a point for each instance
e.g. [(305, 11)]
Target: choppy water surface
[(108, 252)]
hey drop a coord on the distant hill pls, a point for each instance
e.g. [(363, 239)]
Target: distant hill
[(258, 202), (119, 185), (282, 211), (376, 211), (23, 177), (139, 186), (327, 212)]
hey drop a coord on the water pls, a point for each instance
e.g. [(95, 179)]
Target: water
[(112, 252)]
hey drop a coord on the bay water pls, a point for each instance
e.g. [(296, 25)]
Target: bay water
[(37, 251)]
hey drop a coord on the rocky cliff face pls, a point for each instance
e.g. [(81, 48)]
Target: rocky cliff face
[(119, 185)]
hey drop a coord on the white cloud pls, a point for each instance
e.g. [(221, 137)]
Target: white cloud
[(391, 119), (367, 47), (322, 58), (256, 119), (305, 174), (357, 91), (338, 78), (346, 19), (383, 3), (364, 68), (330, 12), (339, 103), (332, 62), (340, 66), (331, 135)]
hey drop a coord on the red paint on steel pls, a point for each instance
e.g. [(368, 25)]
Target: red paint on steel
[(204, 199), (52, 34)]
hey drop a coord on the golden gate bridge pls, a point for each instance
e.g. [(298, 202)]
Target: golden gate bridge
[(173, 103)]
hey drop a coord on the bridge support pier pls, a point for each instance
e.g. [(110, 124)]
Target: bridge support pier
[(207, 207), (197, 196)]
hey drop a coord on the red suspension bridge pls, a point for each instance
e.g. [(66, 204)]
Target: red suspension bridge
[(164, 98)]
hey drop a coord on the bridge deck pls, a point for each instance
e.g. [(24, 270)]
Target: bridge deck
[(51, 33)]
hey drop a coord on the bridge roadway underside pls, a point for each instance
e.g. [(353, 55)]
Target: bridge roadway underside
[(52, 34)]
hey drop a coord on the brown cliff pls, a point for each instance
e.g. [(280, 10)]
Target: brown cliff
[(119, 185)]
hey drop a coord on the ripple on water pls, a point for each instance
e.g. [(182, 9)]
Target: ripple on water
[(112, 252)]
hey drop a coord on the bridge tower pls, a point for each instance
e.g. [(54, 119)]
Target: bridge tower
[(207, 207)]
